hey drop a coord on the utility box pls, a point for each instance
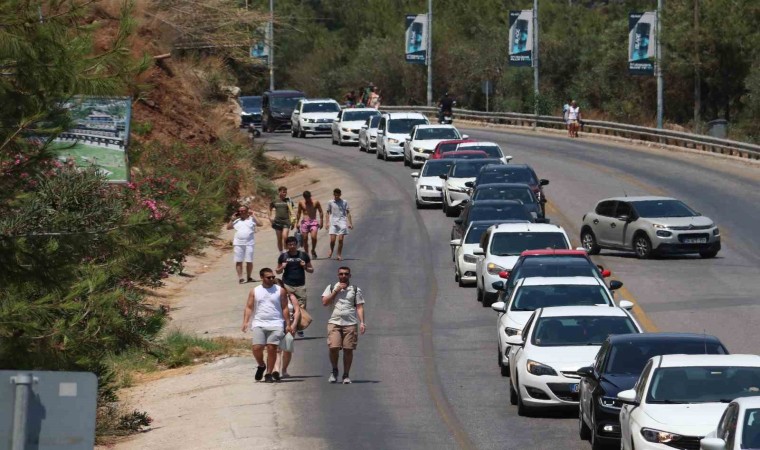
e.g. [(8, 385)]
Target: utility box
[(42, 410), (718, 128)]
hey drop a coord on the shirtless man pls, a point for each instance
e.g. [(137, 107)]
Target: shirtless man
[(309, 225)]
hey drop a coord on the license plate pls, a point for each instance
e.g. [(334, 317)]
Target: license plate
[(695, 241), (323, 127), (574, 388)]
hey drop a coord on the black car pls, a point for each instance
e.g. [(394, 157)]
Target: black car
[(277, 106), (510, 191), (250, 111), (512, 173), (501, 210), (616, 368)]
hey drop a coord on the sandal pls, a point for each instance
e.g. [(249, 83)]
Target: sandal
[(241, 281)]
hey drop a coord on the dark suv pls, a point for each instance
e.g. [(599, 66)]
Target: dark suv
[(277, 107), (616, 368)]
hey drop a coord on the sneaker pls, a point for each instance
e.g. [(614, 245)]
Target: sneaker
[(285, 375), (276, 375), (268, 378), (250, 280), (314, 254), (333, 376), (346, 380), (260, 372), (300, 333)]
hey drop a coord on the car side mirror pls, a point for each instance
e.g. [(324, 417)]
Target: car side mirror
[(587, 372), (465, 136), (456, 242), (542, 220), (628, 397), (507, 159), (414, 174), (624, 218), (443, 176), (543, 182), (625, 304), (498, 285), (479, 252), (516, 340), (499, 307), (458, 221), (712, 444), (615, 284), (504, 274), (470, 184)]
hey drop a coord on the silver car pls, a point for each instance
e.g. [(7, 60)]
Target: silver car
[(649, 226)]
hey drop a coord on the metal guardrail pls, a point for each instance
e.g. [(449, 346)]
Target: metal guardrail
[(646, 134)]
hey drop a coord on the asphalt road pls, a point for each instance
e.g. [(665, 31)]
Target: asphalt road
[(425, 373)]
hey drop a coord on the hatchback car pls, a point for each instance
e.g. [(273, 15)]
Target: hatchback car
[(428, 184), (649, 226), (462, 251), (512, 173), (454, 188), (368, 135), (392, 132), (616, 368), (345, 129), (314, 116), (421, 144)]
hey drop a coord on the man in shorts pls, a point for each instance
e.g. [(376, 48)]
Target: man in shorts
[(282, 220), (339, 217), (265, 313), (309, 224), (294, 264), (346, 322), (245, 225)]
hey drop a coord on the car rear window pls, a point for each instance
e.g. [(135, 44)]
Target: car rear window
[(512, 244), (513, 175), (492, 150), (629, 358), (350, 116), (404, 125), (493, 212), (530, 298), (524, 195)]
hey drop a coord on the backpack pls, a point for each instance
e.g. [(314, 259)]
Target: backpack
[(356, 289)]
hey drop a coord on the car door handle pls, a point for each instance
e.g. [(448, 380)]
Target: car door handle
[(612, 225), (596, 221)]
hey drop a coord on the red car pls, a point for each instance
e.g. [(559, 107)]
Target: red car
[(465, 154), (447, 146)]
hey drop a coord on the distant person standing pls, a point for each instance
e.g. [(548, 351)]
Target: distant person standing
[(346, 322), (374, 98), (266, 310), (293, 265), (574, 118), (565, 111), (309, 224), (245, 225), (351, 99), (339, 217), (282, 219)]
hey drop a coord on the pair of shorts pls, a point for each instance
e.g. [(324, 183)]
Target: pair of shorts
[(267, 335), (299, 292), (281, 224), (339, 229), (342, 336), (308, 225), (243, 253)]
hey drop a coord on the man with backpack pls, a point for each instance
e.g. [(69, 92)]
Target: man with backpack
[(346, 322), (295, 263)]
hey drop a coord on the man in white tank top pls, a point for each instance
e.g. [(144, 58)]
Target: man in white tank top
[(266, 315)]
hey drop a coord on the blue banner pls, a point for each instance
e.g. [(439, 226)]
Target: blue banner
[(641, 42), (416, 38), (521, 38)]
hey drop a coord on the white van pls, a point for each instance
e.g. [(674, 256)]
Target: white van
[(394, 129)]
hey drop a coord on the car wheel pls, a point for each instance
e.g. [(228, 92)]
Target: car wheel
[(708, 253), (417, 203), (377, 153), (642, 246), (504, 368), (522, 409), (479, 295), (361, 147), (301, 133), (588, 240), (584, 432), (512, 393), (487, 298), (406, 163), (450, 211), (595, 444)]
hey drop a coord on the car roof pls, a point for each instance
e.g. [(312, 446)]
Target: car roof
[(404, 115), (438, 161), (474, 143), (249, 96), (455, 141), (508, 167), (553, 252), (488, 161), (319, 100), (640, 198), (592, 311), (531, 227), (284, 93), (454, 154), (435, 125), (487, 202), (707, 360), (362, 110), (485, 222), (747, 402), (554, 281), (502, 185), (663, 337)]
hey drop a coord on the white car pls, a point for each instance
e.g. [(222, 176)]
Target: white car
[(678, 399), (368, 135), (491, 148), (345, 129), (556, 343), (421, 144), (464, 259), (392, 132), (739, 428), (501, 246), (313, 116), (532, 293), (428, 183), (455, 191)]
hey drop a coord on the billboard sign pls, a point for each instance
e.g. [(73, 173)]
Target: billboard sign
[(521, 38), (416, 38), (259, 47), (641, 40)]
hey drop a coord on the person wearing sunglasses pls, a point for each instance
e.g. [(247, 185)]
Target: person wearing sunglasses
[(244, 223), (265, 312), (346, 322)]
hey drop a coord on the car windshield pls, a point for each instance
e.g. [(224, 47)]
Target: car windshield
[(404, 125), (374, 121), (581, 330), (663, 208), (493, 151), (313, 107), (512, 244), (351, 116), (530, 298), (475, 232), (751, 429), (537, 266), (251, 102), (499, 212), (468, 169), (434, 168), (510, 175), (703, 384), (629, 358), (524, 195), (284, 103), (423, 134), (447, 147)]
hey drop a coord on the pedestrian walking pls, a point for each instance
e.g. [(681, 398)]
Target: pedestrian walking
[(309, 225), (282, 219), (266, 315), (374, 98), (346, 322), (244, 223), (574, 118), (339, 217), (287, 345), (565, 110), (293, 265)]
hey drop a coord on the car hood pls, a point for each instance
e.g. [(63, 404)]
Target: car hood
[(320, 115), (613, 384), (431, 181), (467, 249), (564, 358), (696, 419), (697, 221), (355, 124), (399, 136), (427, 144), (458, 182), (507, 262), (517, 319), (251, 111)]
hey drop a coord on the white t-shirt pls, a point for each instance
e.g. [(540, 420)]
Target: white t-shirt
[(244, 230), (338, 211), (268, 312), (572, 113), (344, 305)]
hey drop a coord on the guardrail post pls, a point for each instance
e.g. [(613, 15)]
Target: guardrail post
[(23, 384)]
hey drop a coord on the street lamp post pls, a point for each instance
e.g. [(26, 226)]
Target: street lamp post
[(658, 67), (430, 54), (271, 45)]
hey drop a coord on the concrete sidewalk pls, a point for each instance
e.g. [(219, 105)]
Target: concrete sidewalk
[(219, 405)]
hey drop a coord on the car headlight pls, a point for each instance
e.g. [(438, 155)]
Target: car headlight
[(716, 232), (494, 269), (536, 368), (472, 259), (458, 189), (417, 149), (610, 402), (373, 138), (427, 188), (512, 331), (243, 113), (346, 130), (393, 141), (661, 437), (664, 233), (659, 226)]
